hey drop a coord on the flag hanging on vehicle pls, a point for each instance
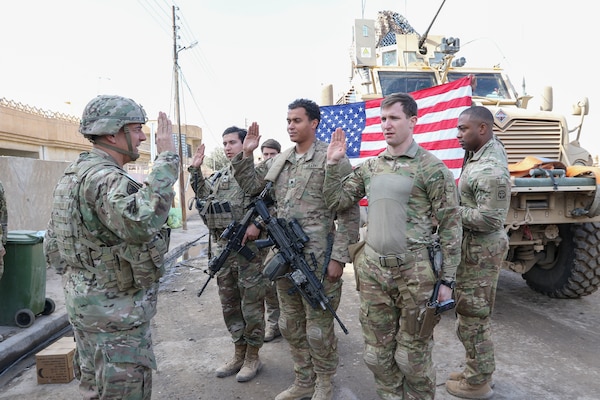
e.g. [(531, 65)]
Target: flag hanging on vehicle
[(439, 108)]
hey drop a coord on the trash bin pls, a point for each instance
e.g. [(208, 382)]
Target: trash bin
[(23, 285)]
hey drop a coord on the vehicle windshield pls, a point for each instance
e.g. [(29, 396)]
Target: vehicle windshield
[(490, 85), (406, 82)]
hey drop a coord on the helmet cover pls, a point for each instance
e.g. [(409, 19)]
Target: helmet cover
[(106, 114)]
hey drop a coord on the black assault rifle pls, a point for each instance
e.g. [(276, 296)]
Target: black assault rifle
[(289, 239), (234, 233)]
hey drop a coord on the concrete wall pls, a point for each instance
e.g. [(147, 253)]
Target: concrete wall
[(29, 184)]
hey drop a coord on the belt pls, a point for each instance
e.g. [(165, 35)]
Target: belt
[(398, 260)]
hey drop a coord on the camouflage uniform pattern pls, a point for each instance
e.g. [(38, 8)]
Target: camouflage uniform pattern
[(3, 226), (242, 286), (406, 194), (298, 192), (110, 303), (485, 197)]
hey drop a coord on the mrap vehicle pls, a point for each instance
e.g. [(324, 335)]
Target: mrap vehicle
[(554, 217)]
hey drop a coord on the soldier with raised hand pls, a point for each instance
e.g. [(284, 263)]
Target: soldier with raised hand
[(241, 284), (107, 234), (3, 228), (484, 201), (297, 175), (411, 195)]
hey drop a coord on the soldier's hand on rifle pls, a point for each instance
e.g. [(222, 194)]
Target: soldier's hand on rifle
[(337, 147), (335, 270), (164, 134), (252, 233), (445, 293), (198, 157)]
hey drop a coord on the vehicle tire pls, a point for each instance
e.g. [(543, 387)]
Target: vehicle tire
[(575, 271), (49, 306), (24, 318)]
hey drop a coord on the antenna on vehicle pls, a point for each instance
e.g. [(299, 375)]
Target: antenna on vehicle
[(423, 38)]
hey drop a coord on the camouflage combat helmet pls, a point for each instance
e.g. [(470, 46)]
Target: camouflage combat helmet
[(105, 115)]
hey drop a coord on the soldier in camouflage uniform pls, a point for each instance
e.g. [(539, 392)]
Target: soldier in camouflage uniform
[(242, 286), (269, 149), (298, 174), (3, 228), (409, 191), (484, 198), (106, 235)]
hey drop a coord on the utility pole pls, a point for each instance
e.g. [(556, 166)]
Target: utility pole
[(178, 117)]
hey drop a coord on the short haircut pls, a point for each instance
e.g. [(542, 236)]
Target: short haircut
[(409, 105), (312, 109), (480, 113), (234, 129), (271, 144)]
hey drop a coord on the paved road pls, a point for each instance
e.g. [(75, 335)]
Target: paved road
[(546, 348)]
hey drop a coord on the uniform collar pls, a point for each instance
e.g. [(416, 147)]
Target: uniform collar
[(410, 152)]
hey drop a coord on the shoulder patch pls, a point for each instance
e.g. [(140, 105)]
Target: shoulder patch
[(132, 187)]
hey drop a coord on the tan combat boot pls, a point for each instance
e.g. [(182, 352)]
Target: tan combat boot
[(272, 332), (465, 390), (457, 376), (251, 365), (296, 392), (235, 364), (323, 388)]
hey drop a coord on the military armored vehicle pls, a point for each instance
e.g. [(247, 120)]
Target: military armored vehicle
[(554, 216)]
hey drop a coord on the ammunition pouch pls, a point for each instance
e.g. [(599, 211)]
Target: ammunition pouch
[(428, 319), (144, 262), (276, 267), (216, 214)]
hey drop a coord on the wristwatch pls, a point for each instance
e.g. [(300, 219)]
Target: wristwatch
[(449, 284)]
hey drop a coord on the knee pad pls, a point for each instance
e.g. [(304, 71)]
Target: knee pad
[(372, 360)]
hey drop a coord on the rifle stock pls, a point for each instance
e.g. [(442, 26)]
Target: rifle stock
[(234, 233)]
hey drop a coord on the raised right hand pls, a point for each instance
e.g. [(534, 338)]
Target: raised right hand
[(337, 146), (198, 157), (252, 140)]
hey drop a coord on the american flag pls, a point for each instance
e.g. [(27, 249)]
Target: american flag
[(439, 108)]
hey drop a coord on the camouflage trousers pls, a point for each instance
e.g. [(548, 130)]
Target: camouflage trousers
[(272, 305), (476, 282), (115, 365), (242, 289), (400, 361), (308, 331)]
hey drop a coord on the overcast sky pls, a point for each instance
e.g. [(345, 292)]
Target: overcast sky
[(254, 57)]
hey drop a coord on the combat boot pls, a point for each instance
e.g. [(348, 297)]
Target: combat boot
[(465, 390), (234, 365), (272, 332), (457, 376), (297, 391), (323, 388), (251, 365)]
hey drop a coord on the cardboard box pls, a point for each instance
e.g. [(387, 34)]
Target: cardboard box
[(54, 364)]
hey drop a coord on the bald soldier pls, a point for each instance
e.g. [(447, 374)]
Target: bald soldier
[(484, 200)]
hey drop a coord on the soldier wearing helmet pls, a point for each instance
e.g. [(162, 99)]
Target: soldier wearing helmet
[(107, 234)]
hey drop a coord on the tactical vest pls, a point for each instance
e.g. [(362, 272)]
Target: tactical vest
[(122, 265)]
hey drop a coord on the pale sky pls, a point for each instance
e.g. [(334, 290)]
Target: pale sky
[(254, 57)]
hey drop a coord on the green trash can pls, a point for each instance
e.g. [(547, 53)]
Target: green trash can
[(23, 284)]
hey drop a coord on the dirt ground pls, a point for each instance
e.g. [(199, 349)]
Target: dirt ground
[(546, 348)]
